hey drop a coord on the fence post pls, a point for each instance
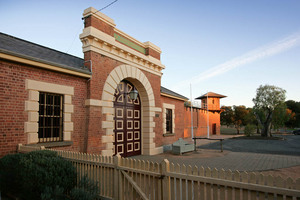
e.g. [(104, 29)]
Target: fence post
[(221, 145), (117, 162), (166, 184)]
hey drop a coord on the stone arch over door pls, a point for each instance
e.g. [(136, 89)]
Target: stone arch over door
[(141, 82)]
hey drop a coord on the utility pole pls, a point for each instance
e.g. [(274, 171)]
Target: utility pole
[(207, 115), (192, 127)]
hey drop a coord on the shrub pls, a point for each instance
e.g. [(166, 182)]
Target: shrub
[(10, 173), (249, 130), (30, 175), (86, 190)]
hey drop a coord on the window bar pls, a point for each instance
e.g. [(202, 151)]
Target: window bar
[(52, 124), (61, 118), (44, 119)]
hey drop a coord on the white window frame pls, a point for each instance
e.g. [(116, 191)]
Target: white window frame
[(171, 107), (32, 108)]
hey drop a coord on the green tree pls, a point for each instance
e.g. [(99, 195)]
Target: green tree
[(281, 115), (268, 97), (294, 120), (239, 117), (249, 130), (226, 115), (250, 119)]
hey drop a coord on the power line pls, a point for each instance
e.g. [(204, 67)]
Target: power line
[(101, 8), (106, 6), (88, 16)]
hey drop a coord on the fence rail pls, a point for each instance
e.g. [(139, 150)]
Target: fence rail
[(125, 178)]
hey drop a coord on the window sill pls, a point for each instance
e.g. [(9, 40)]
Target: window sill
[(168, 134), (52, 144)]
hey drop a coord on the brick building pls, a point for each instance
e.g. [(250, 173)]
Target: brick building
[(206, 116), (52, 99)]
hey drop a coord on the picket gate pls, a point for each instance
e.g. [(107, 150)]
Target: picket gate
[(127, 178)]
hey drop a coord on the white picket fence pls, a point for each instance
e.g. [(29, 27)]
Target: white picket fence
[(125, 178)]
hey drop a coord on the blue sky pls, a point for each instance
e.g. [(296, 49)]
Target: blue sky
[(228, 47)]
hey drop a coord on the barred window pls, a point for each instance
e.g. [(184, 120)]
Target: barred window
[(169, 119), (50, 117)]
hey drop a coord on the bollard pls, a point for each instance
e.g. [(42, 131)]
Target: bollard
[(221, 145)]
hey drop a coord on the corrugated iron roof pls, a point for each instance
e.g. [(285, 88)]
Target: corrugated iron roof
[(170, 92), (28, 50), (211, 94)]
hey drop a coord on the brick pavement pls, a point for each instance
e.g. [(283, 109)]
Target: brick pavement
[(242, 161), (228, 160)]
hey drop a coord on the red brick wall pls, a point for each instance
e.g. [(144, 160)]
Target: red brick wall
[(153, 53), (179, 123), (102, 66), (12, 103), (200, 122), (98, 24), (213, 103)]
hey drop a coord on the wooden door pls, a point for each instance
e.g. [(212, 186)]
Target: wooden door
[(127, 121), (214, 129)]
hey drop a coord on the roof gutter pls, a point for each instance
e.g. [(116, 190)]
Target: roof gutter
[(7, 55), (174, 97)]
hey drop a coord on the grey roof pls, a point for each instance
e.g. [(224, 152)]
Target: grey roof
[(28, 50), (170, 92), (211, 94)]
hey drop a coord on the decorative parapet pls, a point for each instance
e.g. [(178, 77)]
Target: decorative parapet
[(129, 43), (100, 35)]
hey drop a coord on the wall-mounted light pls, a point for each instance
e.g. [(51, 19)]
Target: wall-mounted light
[(133, 94)]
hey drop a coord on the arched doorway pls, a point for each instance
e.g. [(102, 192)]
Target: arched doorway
[(127, 120)]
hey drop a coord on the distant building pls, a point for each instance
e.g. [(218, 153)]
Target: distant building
[(56, 100), (206, 116)]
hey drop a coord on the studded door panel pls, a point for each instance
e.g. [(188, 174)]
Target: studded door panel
[(127, 121)]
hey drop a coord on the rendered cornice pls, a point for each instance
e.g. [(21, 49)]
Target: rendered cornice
[(152, 46), (144, 45), (95, 40), (129, 37)]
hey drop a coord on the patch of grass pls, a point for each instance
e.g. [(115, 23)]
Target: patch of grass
[(231, 133), (257, 137), (230, 130)]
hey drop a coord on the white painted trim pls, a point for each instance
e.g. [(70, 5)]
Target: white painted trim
[(165, 107)]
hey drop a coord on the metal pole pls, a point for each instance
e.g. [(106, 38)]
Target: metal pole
[(192, 130), (221, 145), (207, 115)]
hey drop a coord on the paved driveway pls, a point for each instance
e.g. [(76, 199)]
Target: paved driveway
[(289, 146), (240, 154)]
